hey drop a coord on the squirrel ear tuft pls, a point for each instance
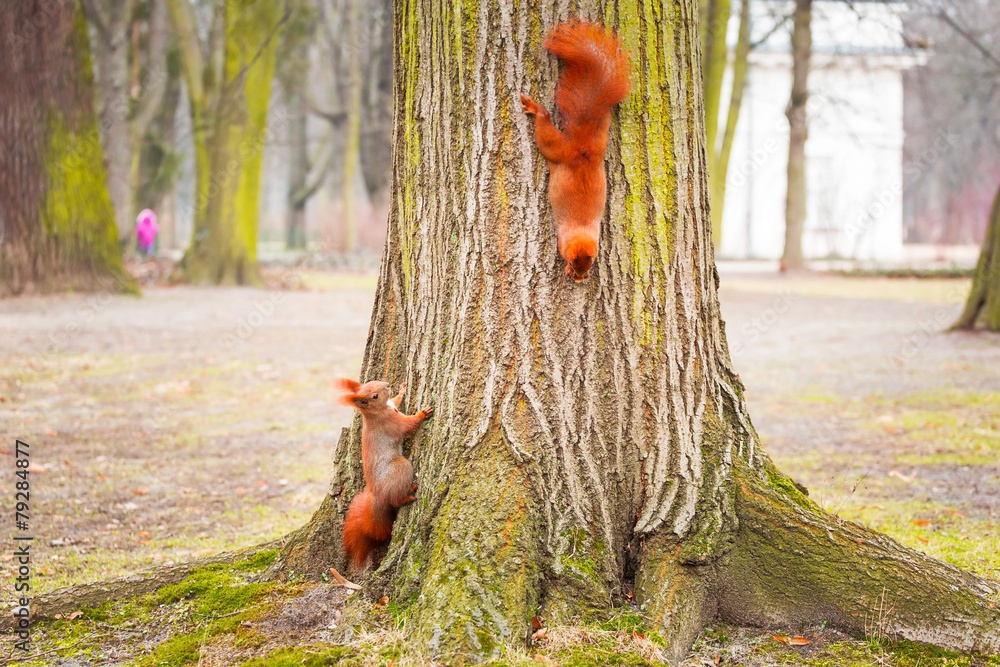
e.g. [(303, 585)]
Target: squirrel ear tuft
[(347, 386), (350, 388), (350, 400)]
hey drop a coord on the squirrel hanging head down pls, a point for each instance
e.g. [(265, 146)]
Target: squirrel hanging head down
[(388, 474), (595, 77)]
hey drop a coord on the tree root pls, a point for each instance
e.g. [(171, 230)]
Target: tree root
[(68, 599), (793, 564)]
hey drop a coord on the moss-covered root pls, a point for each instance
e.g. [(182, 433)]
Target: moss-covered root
[(677, 598), (474, 582), (794, 563)]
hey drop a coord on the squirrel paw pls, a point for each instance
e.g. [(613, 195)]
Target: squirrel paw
[(528, 105), (427, 412), (406, 501), (413, 488), (402, 389)]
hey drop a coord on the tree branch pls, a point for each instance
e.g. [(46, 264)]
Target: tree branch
[(192, 56), (93, 11), (156, 71), (943, 15), (305, 192)]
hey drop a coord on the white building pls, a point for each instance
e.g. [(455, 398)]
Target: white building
[(854, 153)]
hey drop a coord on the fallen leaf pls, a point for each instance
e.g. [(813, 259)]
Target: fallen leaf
[(50, 433), (790, 641), (34, 467), (899, 475), (539, 634), (922, 522), (145, 533), (923, 539), (383, 600), (75, 614), (141, 492), (536, 623), (544, 659)]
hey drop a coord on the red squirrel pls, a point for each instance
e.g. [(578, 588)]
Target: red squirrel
[(595, 78), (388, 474)]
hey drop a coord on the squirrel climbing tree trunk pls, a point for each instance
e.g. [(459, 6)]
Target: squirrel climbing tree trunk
[(591, 436)]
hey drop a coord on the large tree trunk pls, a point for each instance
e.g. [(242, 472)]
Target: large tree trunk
[(983, 303), (795, 198), (586, 435), (229, 90), (57, 224)]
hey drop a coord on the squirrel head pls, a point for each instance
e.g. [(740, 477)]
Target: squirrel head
[(364, 397), (579, 257)]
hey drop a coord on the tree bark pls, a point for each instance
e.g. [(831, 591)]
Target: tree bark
[(229, 89), (586, 436), (795, 198), (57, 223), (983, 303)]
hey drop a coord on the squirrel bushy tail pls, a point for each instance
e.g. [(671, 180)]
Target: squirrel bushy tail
[(595, 76), (368, 525)]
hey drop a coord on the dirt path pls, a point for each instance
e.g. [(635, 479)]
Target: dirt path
[(194, 420)]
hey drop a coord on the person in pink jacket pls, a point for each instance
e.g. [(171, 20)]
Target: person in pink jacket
[(145, 230)]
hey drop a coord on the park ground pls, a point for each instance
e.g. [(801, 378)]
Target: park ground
[(191, 421)]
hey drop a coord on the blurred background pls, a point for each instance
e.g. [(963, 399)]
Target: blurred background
[(898, 162)]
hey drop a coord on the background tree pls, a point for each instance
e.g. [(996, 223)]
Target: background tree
[(714, 22), (306, 173), (593, 436), (131, 84), (57, 224), (798, 129), (952, 128), (983, 302), (229, 88)]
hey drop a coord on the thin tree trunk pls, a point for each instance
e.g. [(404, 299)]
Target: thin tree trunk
[(795, 198), (298, 172), (112, 21), (592, 435), (718, 156), (352, 141), (57, 222), (983, 302)]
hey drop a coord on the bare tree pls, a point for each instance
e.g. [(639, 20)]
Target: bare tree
[(795, 198), (714, 16), (592, 436), (122, 131)]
